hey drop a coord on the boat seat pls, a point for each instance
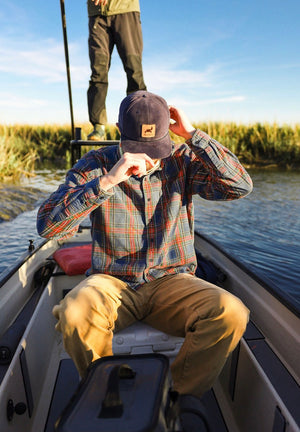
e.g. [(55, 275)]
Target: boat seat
[(140, 338)]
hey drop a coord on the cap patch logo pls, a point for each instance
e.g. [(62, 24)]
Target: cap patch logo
[(148, 131)]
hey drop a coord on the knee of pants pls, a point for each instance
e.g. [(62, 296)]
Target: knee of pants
[(100, 67), (233, 312), (224, 311), (75, 311), (87, 307), (70, 315)]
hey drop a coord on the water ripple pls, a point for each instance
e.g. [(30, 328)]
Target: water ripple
[(262, 230)]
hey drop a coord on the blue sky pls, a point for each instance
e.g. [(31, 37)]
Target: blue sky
[(233, 60)]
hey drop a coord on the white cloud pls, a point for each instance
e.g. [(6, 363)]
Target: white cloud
[(164, 79), (9, 100), (172, 73), (212, 101), (39, 59)]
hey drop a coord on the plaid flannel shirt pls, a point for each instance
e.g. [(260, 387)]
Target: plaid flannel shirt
[(143, 228)]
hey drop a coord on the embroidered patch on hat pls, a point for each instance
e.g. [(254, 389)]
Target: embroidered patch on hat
[(148, 131)]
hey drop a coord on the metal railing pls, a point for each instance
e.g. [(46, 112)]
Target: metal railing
[(78, 143)]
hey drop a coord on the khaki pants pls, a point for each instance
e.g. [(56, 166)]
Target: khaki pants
[(211, 320)]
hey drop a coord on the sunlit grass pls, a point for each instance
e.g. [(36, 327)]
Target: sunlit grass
[(23, 147), (14, 162), (259, 144)]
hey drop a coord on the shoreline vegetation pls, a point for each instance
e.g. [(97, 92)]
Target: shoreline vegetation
[(24, 148)]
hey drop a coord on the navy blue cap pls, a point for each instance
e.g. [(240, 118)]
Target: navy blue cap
[(144, 121)]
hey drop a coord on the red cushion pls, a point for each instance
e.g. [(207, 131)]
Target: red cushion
[(74, 260)]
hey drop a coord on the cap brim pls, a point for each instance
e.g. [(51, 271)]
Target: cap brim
[(155, 149)]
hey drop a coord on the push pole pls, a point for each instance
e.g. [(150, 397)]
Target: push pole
[(64, 27)]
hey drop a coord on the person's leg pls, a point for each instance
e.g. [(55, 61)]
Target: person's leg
[(211, 320), (129, 42), (100, 48), (89, 314)]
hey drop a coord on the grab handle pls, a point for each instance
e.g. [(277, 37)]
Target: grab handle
[(112, 405)]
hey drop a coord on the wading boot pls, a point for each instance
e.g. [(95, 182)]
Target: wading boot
[(98, 133)]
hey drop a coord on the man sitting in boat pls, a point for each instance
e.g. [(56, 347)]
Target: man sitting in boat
[(139, 198)]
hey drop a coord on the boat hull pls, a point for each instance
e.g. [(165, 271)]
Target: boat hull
[(246, 397)]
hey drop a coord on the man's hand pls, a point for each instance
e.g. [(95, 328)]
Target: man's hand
[(130, 164), (100, 2), (181, 126)]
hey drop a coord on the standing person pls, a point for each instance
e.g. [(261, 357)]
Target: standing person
[(139, 198), (112, 22)]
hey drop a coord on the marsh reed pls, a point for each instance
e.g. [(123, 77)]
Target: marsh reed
[(25, 147)]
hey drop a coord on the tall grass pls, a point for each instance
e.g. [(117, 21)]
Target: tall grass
[(50, 142), (24, 147), (14, 161), (259, 144)]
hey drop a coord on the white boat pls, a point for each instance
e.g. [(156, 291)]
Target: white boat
[(257, 391)]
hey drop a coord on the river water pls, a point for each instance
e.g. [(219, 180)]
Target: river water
[(261, 230)]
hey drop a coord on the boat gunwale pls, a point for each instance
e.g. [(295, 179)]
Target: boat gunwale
[(8, 273)]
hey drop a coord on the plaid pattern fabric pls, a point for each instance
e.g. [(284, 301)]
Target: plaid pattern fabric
[(143, 229)]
